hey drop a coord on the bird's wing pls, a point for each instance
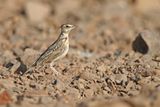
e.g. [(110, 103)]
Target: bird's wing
[(46, 54)]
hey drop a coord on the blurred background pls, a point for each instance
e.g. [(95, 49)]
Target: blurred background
[(102, 25)]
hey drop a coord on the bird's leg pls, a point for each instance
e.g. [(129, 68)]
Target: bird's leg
[(29, 71), (51, 66)]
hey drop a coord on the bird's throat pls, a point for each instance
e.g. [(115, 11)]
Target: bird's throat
[(64, 35)]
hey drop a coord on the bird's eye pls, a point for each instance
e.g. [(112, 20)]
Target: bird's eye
[(67, 26)]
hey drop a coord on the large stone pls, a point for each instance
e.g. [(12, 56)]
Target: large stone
[(147, 42)]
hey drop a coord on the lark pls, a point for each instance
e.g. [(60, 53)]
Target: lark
[(57, 50)]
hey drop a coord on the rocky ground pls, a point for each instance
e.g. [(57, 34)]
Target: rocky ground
[(113, 61)]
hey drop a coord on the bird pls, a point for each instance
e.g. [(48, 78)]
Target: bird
[(57, 50)]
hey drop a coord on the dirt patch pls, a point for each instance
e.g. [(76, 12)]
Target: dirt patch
[(106, 64)]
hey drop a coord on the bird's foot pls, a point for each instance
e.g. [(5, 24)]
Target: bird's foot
[(29, 71), (54, 70)]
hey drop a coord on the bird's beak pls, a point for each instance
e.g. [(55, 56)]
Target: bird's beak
[(73, 26)]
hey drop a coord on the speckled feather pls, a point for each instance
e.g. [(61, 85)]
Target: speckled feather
[(53, 51)]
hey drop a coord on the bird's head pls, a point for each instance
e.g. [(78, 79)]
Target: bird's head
[(66, 28)]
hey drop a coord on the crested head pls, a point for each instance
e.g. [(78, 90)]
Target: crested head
[(66, 28)]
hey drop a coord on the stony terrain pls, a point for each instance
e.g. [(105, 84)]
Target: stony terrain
[(113, 61)]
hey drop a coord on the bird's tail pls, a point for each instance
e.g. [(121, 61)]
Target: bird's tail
[(30, 69)]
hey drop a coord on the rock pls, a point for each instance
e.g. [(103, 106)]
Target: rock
[(89, 75), (48, 71), (33, 85), (89, 93), (60, 85), (147, 42), (29, 56), (146, 80), (45, 100), (22, 69), (133, 92), (4, 71), (7, 83), (36, 11), (81, 84), (130, 85), (15, 66), (2, 59), (121, 79), (17, 40), (10, 87), (75, 94), (101, 68), (18, 51), (9, 65), (5, 97), (8, 55)]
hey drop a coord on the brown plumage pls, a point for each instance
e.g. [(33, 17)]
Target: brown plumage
[(57, 50)]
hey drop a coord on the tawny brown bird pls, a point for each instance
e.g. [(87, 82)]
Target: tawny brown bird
[(57, 50)]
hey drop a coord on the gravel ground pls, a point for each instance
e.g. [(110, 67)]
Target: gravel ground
[(113, 60)]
